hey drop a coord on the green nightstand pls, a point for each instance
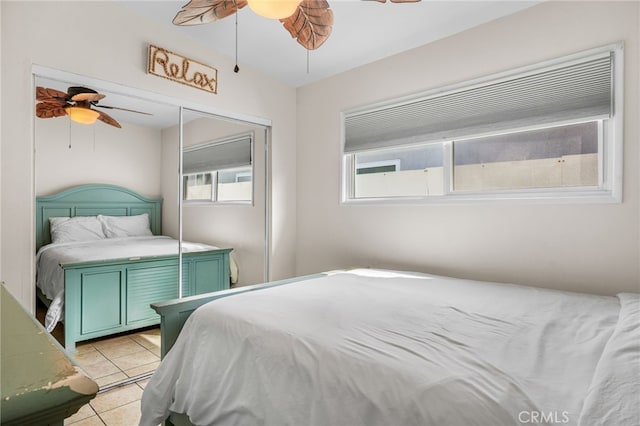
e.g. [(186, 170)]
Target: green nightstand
[(41, 385)]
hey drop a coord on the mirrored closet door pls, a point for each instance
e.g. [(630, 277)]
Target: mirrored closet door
[(196, 178), (223, 191)]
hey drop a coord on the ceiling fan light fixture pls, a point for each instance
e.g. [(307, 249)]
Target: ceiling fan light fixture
[(274, 9), (82, 115)]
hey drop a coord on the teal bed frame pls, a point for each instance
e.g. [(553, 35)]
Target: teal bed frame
[(174, 314), (112, 296)]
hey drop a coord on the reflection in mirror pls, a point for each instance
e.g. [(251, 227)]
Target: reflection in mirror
[(223, 191), (118, 181), (121, 183), (219, 171)]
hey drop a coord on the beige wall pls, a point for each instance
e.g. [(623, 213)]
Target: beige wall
[(75, 37), (129, 157), (1, 95), (592, 248)]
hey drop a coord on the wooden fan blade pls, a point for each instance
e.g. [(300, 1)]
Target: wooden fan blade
[(198, 12), (106, 118), (46, 94), (122, 109), (50, 110), (310, 24)]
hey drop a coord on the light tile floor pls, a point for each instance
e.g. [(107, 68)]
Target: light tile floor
[(112, 360), (117, 407)]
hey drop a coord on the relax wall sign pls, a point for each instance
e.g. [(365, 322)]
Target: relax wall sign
[(172, 66)]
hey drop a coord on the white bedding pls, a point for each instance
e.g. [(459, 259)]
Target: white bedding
[(370, 347), (617, 373), (50, 276)]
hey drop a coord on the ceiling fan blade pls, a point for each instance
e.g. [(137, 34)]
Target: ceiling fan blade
[(46, 94), (122, 109), (106, 118), (54, 101), (198, 12), (49, 110), (310, 24)]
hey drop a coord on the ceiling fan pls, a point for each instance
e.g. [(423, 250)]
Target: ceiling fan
[(308, 21), (78, 103)]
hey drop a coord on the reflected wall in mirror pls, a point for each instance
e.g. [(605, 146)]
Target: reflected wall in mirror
[(223, 190), (70, 153), (114, 184)]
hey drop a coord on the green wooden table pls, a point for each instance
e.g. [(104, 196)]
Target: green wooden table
[(41, 385)]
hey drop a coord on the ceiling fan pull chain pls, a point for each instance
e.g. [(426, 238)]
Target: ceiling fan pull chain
[(236, 68), (307, 61)]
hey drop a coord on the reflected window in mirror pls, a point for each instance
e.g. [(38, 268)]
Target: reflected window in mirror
[(199, 187), (219, 171)]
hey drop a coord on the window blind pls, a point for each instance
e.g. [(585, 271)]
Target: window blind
[(577, 90), (218, 155)]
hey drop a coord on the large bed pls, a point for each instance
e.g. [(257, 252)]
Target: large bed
[(101, 261), (376, 347)]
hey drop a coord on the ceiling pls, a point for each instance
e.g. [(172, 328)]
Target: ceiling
[(363, 32)]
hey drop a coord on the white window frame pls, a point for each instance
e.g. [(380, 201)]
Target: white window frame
[(214, 172), (610, 149)]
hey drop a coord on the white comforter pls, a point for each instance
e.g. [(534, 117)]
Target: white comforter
[(50, 275), (382, 348)]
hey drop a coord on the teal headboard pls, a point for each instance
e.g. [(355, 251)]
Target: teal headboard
[(92, 200)]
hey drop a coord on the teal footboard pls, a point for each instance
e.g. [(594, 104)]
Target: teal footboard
[(108, 297)]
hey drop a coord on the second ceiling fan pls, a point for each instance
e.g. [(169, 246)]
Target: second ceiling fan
[(79, 103)]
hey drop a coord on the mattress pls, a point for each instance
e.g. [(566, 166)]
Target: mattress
[(373, 347), (50, 275)]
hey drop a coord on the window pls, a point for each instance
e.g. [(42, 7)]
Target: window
[(199, 186), (363, 167), (550, 131), (414, 172), (219, 171), (564, 156), (235, 185)]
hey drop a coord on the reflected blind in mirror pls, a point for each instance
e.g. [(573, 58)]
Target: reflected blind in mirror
[(219, 155)]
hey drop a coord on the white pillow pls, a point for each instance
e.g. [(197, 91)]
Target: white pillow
[(72, 229), (126, 226)]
